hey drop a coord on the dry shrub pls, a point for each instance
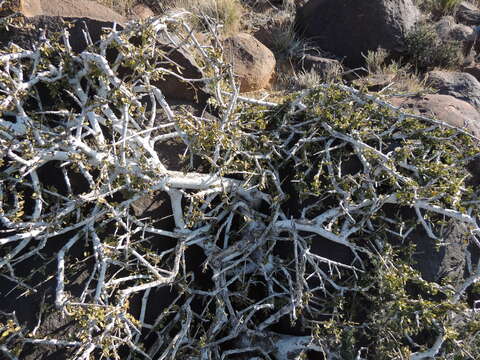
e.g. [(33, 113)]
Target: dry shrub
[(227, 12)]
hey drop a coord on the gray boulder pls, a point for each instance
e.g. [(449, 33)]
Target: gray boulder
[(349, 28), (467, 13), (473, 70), (438, 262), (461, 85), (448, 30), (326, 68)]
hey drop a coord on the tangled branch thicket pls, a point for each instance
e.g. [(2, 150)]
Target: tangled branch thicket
[(282, 187)]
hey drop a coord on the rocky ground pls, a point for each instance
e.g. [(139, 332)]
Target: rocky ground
[(239, 179)]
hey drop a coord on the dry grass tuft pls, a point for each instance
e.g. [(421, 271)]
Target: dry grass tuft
[(289, 79), (121, 6), (404, 79), (439, 8), (375, 60), (287, 43), (227, 12), (308, 79)]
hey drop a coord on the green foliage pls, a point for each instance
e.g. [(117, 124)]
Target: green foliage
[(402, 312), (425, 50), (394, 312)]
